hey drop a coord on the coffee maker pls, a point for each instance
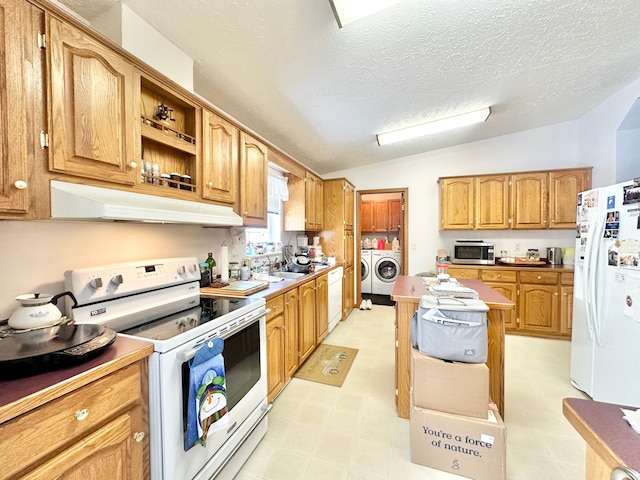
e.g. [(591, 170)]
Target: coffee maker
[(554, 255)]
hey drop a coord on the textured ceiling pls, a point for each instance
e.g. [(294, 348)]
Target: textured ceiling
[(284, 69)]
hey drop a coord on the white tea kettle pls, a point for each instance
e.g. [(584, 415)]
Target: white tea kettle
[(37, 310)]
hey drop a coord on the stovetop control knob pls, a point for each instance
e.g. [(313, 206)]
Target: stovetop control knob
[(193, 267), (117, 279), (95, 283), (181, 269)]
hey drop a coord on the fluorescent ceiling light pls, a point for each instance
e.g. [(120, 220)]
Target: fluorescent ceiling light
[(347, 11), (436, 126)]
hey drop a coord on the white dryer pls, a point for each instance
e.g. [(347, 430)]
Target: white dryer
[(386, 268), (365, 271)]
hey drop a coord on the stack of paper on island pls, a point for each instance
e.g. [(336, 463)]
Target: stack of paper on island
[(448, 289)]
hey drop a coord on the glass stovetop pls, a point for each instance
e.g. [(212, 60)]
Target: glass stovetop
[(209, 310)]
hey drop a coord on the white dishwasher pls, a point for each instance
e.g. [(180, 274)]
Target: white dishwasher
[(335, 297)]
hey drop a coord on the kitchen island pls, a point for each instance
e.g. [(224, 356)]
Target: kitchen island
[(611, 442), (406, 293)]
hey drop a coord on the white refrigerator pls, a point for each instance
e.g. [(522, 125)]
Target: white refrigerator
[(605, 341)]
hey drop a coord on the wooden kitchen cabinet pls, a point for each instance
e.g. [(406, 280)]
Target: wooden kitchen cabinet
[(291, 334), (348, 294), (456, 203), (219, 159), (505, 283), (395, 215), (348, 202), (314, 203), (20, 85), (97, 429), (491, 202), (564, 186), (322, 308), (381, 216), (528, 197), (304, 211), (306, 320), (518, 200), (538, 302), (338, 234), (566, 303), (93, 131), (276, 346), (463, 272), (543, 297), (537, 308), (253, 181), (367, 215), (107, 453), (337, 237)]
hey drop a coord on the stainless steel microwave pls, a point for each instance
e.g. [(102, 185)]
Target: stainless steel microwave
[(473, 252)]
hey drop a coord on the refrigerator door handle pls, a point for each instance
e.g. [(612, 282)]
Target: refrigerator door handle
[(589, 276), (596, 268)]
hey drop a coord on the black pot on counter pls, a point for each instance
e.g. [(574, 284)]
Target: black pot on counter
[(300, 264)]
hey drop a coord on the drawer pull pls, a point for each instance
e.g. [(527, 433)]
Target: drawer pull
[(539, 277), (82, 414), (138, 436)]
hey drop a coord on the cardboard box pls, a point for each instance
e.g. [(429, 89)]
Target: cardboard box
[(452, 387), (465, 446)]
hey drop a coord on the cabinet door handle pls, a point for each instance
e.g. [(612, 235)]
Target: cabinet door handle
[(210, 184), (20, 184), (133, 164), (81, 414), (138, 436)]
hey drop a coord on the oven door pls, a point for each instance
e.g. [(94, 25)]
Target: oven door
[(246, 381)]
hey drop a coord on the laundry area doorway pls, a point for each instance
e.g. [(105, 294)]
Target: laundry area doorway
[(382, 217)]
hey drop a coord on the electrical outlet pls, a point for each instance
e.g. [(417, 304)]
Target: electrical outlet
[(517, 247)]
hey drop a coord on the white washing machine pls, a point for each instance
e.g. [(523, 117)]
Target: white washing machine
[(365, 271), (386, 268)]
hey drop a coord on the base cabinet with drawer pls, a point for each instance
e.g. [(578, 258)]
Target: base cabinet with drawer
[(505, 283), (98, 429), (297, 321), (276, 341), (543, 297)]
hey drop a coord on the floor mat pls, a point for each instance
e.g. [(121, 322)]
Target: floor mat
[(328, 364)]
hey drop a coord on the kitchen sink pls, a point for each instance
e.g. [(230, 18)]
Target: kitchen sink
[(288, 275)]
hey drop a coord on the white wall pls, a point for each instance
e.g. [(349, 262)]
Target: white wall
[(543, 148), (597, 133), (124, 27), (588, 141), (35, 255)]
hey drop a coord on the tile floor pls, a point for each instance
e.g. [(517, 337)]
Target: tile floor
[(321, 432)]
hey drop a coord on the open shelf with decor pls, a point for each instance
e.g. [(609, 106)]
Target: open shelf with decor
[(169, 138)]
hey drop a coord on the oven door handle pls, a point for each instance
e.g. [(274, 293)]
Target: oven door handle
[(186, 355)]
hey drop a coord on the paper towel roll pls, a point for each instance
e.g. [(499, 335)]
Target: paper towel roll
[(224, 263)]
